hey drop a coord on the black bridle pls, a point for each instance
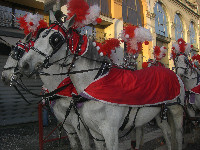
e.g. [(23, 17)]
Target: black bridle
[(186, 60), (56, 40), (16, 53)]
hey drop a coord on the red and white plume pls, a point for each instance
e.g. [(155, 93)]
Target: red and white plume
[(84, 14), (135, 36), (181, 47), (159, 53), (31, 23), (196, 57), (106, 48)]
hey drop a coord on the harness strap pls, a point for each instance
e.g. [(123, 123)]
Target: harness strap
[(44, 95), (133, 126), (9, 68), (21, 94), (125, 120)]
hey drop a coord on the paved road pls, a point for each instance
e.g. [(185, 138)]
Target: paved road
[(25, 137)]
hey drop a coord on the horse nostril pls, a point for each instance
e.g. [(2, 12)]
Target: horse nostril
[(38, 65), (25, 66)]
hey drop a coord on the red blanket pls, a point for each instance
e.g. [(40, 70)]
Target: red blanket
[(148, 86), (68, 91), (196, 89)]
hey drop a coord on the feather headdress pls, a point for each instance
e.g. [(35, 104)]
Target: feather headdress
[(84, 14), (181, 47), (31, 23), (135, 36), (196, 57), (159, 53)]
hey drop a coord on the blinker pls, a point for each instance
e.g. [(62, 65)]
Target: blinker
[(56, 40), (17, 53)]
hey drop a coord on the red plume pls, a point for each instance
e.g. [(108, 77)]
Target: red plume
[(144, 65), (129, 30), (182, 45), (78, 7), (157, 51), (196, 57), (109, 45)]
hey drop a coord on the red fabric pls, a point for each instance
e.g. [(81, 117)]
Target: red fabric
[(148, 86), (76, 38), (69, 90), (196, 89), (109, 45)]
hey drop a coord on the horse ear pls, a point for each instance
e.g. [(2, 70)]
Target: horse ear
[(69, 23), (52, 17), (27, 38)]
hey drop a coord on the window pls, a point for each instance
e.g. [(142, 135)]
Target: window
[(160, 20), (178, 27), (131, 12), (192, 33), (103, 4), (89, 31)]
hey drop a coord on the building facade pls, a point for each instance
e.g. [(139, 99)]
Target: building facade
[(168, 20)]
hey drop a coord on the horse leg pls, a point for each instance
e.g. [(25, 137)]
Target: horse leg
[(83, 136), (177, 117), (164, 126), (73, 138), (139, 137), (110, 134), (99, 145)]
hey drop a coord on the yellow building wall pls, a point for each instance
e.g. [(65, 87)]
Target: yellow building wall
[(116, 9), (100, 36)]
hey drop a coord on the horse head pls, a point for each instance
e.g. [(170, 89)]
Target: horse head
[(15, 55), (47, 46), (182, 64)]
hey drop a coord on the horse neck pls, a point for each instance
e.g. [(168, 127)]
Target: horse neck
[(50, 81), (82, 80), (190, 79)]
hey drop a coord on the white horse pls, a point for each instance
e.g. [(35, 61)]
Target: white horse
[(103, 120), (61, 105), (189, 76)]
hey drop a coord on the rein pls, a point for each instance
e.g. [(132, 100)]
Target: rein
[(51, 94)]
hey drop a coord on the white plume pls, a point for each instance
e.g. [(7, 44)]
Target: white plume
[(93, 14), (142, 34), (188, 48), (177, 48), (34, 19)]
